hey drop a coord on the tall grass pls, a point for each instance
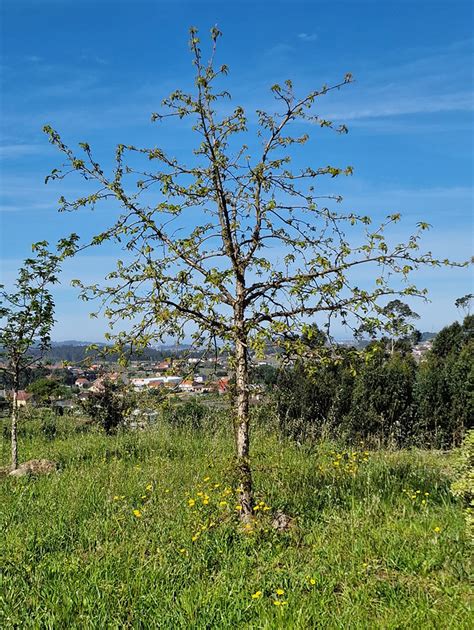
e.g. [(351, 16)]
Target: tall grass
[(141, 530)]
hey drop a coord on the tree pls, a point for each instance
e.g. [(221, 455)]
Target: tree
[(398, 326), (464, 303), (108, 407), (199, 255), (28, 315), (45, 389), (445, 385), (382, 404)]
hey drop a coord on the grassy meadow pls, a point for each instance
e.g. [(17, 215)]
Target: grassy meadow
[(141, 530)]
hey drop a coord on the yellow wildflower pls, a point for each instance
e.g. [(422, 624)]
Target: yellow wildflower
[(116, 498), (191, 502), (312, 581), (280, 591), (206, 478), (222, 503), (238, 508), (257, 594), (149, 486), (437, 530), (182, 550), (144, 496), (137, 513)]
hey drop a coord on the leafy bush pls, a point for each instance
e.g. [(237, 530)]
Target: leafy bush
[(190, 414), (109, 408), (463, 486)]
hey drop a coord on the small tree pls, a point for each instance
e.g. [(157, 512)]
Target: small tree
[(47, 389), (28, 315), (203, 261), (108, 407)]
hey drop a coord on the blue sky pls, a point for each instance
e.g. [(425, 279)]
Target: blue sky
[(96, 70)]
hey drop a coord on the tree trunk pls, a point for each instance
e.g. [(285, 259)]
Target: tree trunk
[(242, 436), (14, 463)]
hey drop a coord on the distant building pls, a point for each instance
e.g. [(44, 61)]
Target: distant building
[(82, 382), (24, 398)]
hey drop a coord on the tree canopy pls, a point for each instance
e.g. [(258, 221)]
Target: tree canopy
[(235, 244)]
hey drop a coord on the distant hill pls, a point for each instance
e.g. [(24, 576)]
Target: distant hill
[(73, 342), (76, 351), (426, 336)]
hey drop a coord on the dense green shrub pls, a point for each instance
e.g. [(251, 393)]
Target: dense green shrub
[(444, 390), (312, 398), (463, 486), (385, 396), (382, 400), (190, 414), (109, 408)]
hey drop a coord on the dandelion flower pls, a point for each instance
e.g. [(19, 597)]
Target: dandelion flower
[(280, 591), (182, 550), (257, 595), (222, 503), (116, 498), (437, 530), (137, 513), (206, 478), (144, 496), (191, 502), (149, 486), (312, 581), (238, 508)]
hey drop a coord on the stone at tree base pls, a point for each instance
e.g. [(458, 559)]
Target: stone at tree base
[(34, 467), (282, 522)]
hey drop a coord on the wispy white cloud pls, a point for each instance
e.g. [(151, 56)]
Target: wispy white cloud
[(307, 37), (436, 81), (10, 151)]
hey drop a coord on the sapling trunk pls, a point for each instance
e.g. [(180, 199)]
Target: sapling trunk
[(242, 429), (14, 434)]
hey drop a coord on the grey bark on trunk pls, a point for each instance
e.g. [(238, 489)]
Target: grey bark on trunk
[(242, 429), (14, 463)]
